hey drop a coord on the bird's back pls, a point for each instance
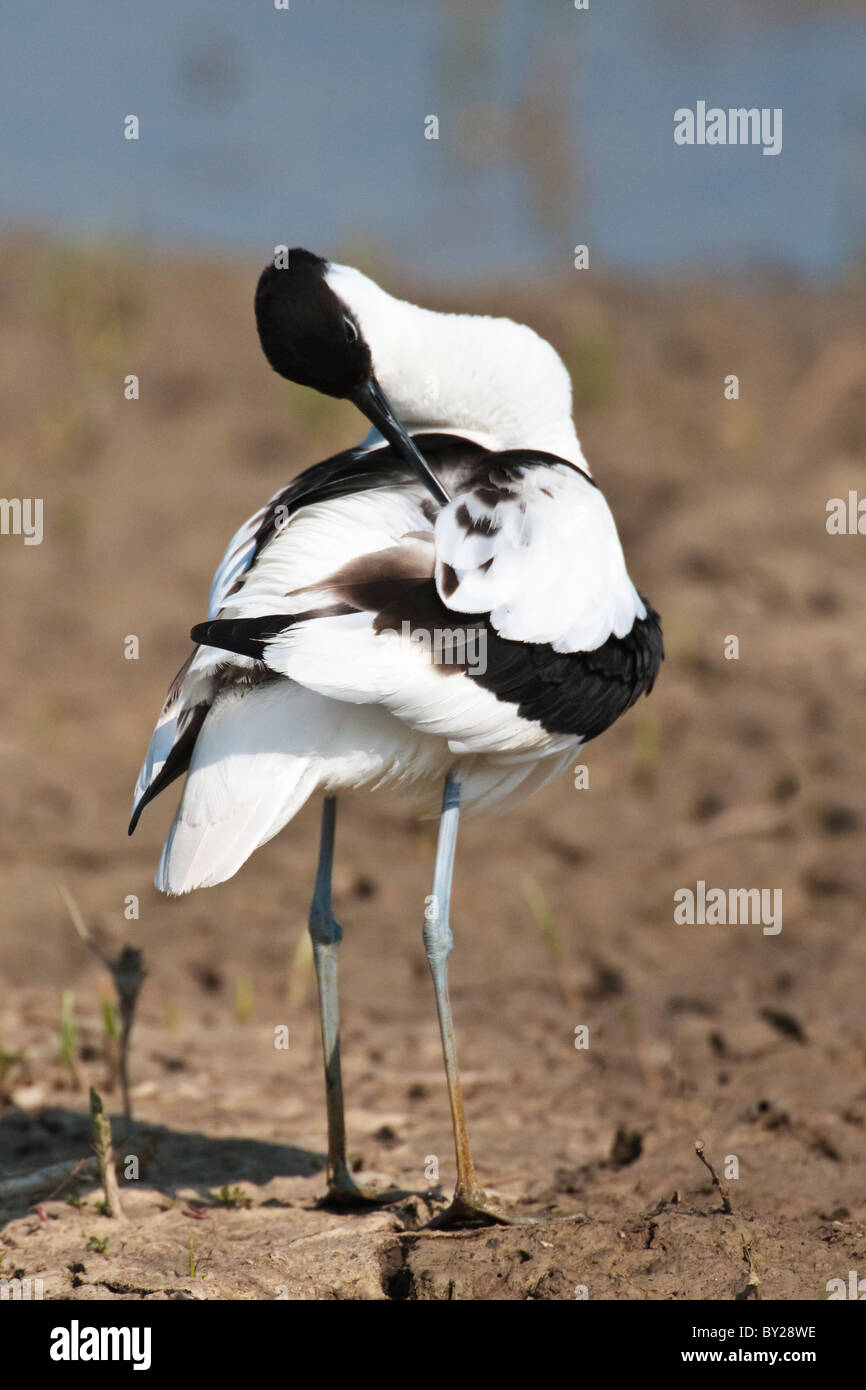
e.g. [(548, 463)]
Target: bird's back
[(501, 629)]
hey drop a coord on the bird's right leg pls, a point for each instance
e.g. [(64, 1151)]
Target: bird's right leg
[(327, 934)]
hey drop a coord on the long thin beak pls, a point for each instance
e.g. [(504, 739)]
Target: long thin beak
[(371, 399)]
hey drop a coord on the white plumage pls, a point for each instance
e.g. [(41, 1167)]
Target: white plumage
[(450, 608), (487, 379), (265, 749), (362, 707)]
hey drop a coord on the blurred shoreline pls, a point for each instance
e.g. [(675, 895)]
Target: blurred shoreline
[(554, 127)]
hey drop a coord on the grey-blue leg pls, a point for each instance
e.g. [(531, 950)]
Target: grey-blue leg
[(469, 1203), (327, 934)]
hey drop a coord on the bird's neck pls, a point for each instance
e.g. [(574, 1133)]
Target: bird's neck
[(490, 379)]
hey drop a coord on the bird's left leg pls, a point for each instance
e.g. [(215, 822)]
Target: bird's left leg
[(327, 934), (470, 1202)]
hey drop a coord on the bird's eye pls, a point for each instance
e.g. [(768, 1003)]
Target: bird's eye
[(351, 331)]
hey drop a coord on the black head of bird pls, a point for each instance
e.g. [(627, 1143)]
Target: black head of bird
[(310, 336)]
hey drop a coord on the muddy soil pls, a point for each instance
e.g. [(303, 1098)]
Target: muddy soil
[(744, 772)]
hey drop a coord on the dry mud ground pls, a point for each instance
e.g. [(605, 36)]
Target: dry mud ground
[(741, 773)]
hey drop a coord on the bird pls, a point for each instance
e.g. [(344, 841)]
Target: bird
[(443, 610)]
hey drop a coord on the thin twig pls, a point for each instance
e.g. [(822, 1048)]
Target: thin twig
[(717, 1182), (128, 974), (752, 1289)]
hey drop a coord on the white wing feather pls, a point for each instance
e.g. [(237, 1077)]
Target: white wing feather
[(546, 563), (345, 659)]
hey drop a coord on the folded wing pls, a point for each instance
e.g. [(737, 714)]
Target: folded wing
[(536, 548)]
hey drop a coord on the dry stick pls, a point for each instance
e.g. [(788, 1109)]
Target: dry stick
[(753, 1281), (100, 1137), (128, 974), (717, 1182)]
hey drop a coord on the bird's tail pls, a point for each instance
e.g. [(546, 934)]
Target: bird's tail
[(262, 752)]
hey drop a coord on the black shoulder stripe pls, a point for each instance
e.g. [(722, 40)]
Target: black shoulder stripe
[(250, 636)]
